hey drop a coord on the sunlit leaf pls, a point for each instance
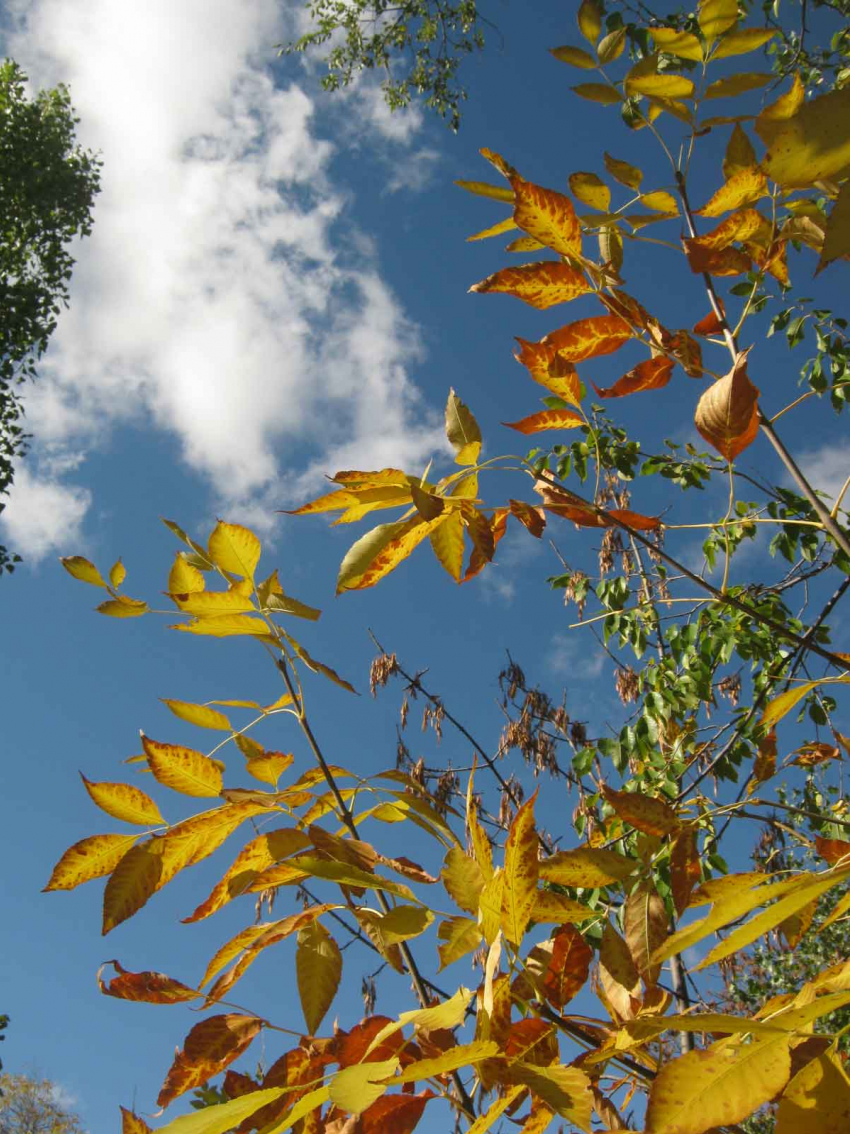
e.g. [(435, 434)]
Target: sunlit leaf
[(184, 578), (123, 607), (210, 1046), (269, 767), (461, 1056), (201, 715), (569, 968), (684, 868), (548, 216), (737, 84), (206, 603), (741, 188), (117, 574), (132, 1124), (462, 877), (716, 261), (742, 40), (225, 1117), (380, 551), (550, 369), (810, 146), (739, 154), (226, 626), (531, 518), (652, 374), (727, 414), (459, 936), (234, 549), (836, 244), (565, 1089), (447, 544), (660, 201), (462, 431), (662, 85), (628, 175), (482, 189), (497, 229), (546, 419), (589, 338), (683, 44), (318, 967), (646, 927), (541, 285), (589, 20), (817, 1098), (586, 867), (715, 18), (124, 801), (551, 907), (521, 873), (82, 569), (590, 190), (150, 988), (645, 812), (611, 46), (92, 857), (183, 769)]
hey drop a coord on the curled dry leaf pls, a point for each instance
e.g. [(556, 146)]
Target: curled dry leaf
[(151, 988), (727, 414)]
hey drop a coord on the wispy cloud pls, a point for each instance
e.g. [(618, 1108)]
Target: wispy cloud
[(827, 468), (225, 296), (576, 656)]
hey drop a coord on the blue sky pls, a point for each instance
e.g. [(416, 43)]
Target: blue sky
[(276, 288)]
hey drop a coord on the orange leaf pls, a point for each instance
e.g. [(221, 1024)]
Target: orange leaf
[(645, 812), (533, 1041), (530, 517), (569, 967), (132, 1124), (687, 352), (546, 419), (498, 526), (542, 284), (521, 873), (833, 850), (547, 216), (394, 1114), (717, 262), (727, 414), (741, 225), (742, 187), (209, 1047), (550, 369), (151, 988), (652, 374), (589, 338), (684, 868), (708, 325)]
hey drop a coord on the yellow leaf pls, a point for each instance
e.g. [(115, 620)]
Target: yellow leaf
[(565, 1089), (645, 812), (123, 607), (92, 857), (589, 338), (490, 906), (460, 935), (836, 244), (810, 146), (494, 229), (548, 216), (659, 86), (628, 175), (590, 20), (683, 44), (817, 1098), (201, 715), (552, 907), (254, 857), (521, 873), (355, 1088), (768, 919), (464, 1055), (598, 92), (646, 927), (717, 1086), (739, 154), (401, 923), (183, 769), (497, 1107), (743, 187), (212, 603), (586, 867), (183, 577), (590, 190), (738, 84), (447, 544), (463, 879), (715, 18), (227, 1116), (234, 549), (575, 56), (740, 41), (117, 574), (346, 875), (462, 431), (541, 284), (318, 968), (82, 569), (482, 189), (123, 801), (727, 413), (150, 865), (783, 704), (269, 767), (226, 626), (611, 46), (524, 244), (380, 551), (660, 201), (449, 1014)]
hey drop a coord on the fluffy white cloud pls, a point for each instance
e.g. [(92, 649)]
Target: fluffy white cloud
[(826, 468), (44, 514), (225, 295)]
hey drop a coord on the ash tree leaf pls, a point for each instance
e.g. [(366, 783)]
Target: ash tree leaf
[(548, 216), (132, 1124), (318, 969), (591, 191), (644, 812), (675, 42), (482, 189), (716, 17), (652, 374), (546, 419), (727, 414), (82, 569), (589, 19), (811, 145), (234, 549), (836, 242), (201, 715), (589, 338), (598, 92), (626, 174), (123, 607), (738, 84), (462, 431), (646, 927), (92, 857), (185, 578), (150, 988), (183, 769), (569, 967), (117, 574), (521, 873), (124, 801), (586, 867), (741, 41), (541, 285), (210, 1046), (575, 56)]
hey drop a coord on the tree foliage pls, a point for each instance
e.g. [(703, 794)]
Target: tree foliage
[(417, 45), (30, 1105), (47, 188), (643, 896)]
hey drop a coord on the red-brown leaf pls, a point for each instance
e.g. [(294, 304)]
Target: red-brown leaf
[(644, 812), (684, 868), (210, 1046), (727, 414), (394, 1114), (652, 374), (569, 967), (151, 988)]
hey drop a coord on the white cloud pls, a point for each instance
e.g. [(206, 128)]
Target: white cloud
[(826, 468), (575, 655), (43, 515), (225, 295)]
